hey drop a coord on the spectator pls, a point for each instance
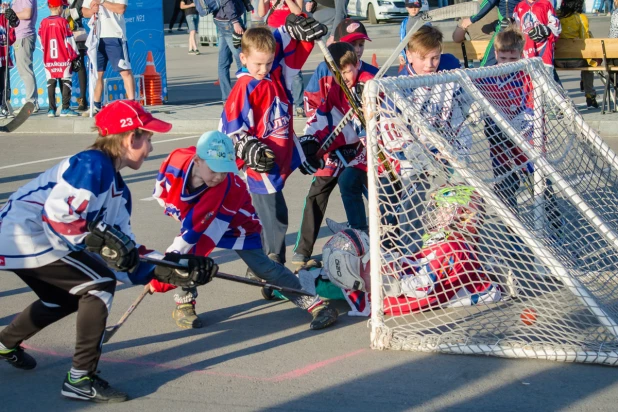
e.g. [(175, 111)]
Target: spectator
[(113, 47), (193, 19), (74, 15), (276, 20), (228, 21), (25, 45), (575, 26), (413, 7), (329, 13), (175, 13), (483, 29)]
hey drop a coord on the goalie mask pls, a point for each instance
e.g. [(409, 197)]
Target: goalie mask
[(458, 208), (345, 258)]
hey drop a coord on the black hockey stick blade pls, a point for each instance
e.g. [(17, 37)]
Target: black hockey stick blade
[(233, 278), (19, 119)]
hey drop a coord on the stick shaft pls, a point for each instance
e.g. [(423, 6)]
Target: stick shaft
[(111, 331)]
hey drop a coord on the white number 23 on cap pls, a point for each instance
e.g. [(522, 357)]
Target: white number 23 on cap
[(126, 122)]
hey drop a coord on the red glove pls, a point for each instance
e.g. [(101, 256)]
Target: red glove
[(160, 287)]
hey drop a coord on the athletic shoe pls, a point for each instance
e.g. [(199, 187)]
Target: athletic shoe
[(300, 112), (323, 317), (5, 113), (68, 113), (591, 102), (185, 316), (192, 52), (51, 113), (91, 388), (18, 358), (36, 107), (196, 52), (299, 259)]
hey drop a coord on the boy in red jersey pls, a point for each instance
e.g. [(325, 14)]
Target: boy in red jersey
[(60, 58), (8, 21), (538, 22)]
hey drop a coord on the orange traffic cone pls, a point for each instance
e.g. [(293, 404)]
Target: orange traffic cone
[(374, 60), (152, 83)]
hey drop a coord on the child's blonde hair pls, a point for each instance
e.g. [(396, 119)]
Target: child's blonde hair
[(509, 39), (55, 10), (258, 38), (343, 54), (426, 39), (111, 144)]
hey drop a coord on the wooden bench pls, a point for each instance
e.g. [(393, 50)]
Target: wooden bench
[(606, 49)]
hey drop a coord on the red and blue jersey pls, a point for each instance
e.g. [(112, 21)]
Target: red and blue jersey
[(221, 216), (6, 41), (263, 109), (59, 47), (527, 15)]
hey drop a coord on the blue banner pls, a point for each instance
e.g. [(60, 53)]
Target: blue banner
[(144, 33)]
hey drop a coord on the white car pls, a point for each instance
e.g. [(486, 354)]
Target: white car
[(376, 10)]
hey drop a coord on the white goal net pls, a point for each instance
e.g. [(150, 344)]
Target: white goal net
[(493, 218)]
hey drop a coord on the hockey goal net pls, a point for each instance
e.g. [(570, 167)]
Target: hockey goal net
[(493, 218)]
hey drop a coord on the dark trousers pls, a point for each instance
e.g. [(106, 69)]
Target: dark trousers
[(175, 13), (273, 213), (76, 283), (65, 88), (82, 75), (5, 93)]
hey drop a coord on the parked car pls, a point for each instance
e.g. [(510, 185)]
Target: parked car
[(377, 10)]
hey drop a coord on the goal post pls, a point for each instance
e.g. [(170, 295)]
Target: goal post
[(504, 239)]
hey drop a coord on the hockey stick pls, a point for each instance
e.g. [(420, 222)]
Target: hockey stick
[(111, 330), (444, 13), (271, 10), (356, 108), (233, 278), (19, 119)]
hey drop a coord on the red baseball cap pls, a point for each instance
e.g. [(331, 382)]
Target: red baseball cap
[(55, 3), (126, 115), (349, 30)]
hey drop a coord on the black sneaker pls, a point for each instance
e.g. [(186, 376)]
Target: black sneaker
[(91, 388), (323, 317), (18, 358), (591, 102)]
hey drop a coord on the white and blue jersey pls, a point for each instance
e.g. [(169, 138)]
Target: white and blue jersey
[(46, 219)]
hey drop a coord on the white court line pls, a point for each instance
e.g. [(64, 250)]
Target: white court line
[(64, 157)]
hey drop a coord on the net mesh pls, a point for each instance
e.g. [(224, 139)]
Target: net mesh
[(492, 219)]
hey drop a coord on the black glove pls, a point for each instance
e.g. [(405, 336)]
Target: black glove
[(248, 5), (256, 155), (200, 270), (11, 17), (116, 248), (311, 146), (539, 33), (358, 88), (76, 65), (236, 40), (304, 28), (505, 23)]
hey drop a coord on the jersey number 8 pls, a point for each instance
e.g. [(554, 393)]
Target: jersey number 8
[(53, 48)]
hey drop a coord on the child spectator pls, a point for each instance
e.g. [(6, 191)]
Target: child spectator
[(60, 58), (74, 16), (257, 116), (193, 20), (335, 171), (574, 25), (414, 7), (214, 207), (538, 22), (9, 21)]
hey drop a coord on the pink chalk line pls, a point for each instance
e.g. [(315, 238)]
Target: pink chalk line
[(293, 374)]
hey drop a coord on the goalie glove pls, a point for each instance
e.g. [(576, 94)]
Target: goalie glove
[(200, 270), (11, 17), (76, 65), (539, 33), (311, 146), (304, 28), (256, 155), (116, 248), (236, 40)]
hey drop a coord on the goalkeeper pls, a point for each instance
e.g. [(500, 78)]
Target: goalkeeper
[(67, 235), (446, 272)]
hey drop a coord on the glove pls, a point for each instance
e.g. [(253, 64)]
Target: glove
[(236, 40), (11, 17), (539, 33), (311, 146), (200, 270), (256, 155), (304, 28), (116, 248), (358, 88), (76, 65), (505, 23), (248, 5)]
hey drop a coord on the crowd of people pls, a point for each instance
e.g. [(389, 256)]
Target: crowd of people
[(67, 234)]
